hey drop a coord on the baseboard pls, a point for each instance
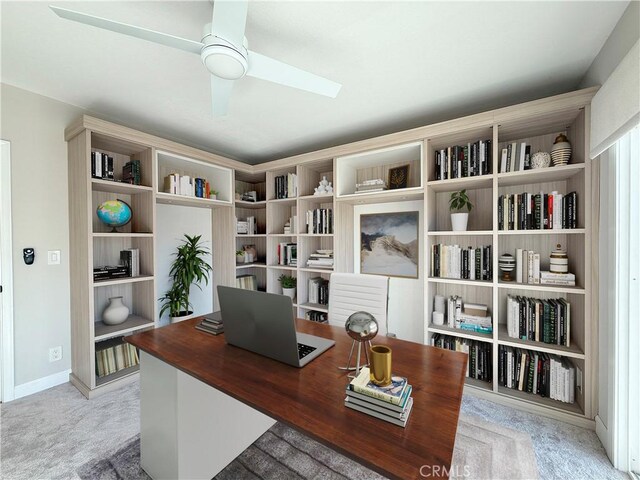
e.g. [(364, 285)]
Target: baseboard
[(41, 384)]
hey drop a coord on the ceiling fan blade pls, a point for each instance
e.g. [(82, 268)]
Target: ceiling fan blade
[(220, 95), (132, 30), (275, 71), (229, 20)]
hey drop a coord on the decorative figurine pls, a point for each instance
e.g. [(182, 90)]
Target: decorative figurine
[(324, 187)]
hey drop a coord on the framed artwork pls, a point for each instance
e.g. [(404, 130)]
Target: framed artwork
[(389, 244), (398, 177)]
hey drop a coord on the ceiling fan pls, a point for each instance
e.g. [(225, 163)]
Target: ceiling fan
[(223, 51)]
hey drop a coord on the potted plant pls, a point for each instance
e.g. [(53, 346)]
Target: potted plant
[(239, 256), (213, 194), (188, 268), (459, 201), (288, 284)]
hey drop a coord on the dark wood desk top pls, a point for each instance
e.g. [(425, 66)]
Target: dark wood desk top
[(311, 399)]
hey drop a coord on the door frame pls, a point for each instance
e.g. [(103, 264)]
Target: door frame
[(7, 384)]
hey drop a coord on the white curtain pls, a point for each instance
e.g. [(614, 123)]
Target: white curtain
[(615, 109)]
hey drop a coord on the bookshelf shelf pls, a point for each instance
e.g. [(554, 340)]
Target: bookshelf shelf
[(565, 231), (123, 281), (251, 265), (328, 198), (172, 199), (456, 332), (536, 399), (315, 234), (132, 324), (121, 235), (251, 205), (550, 174), (282, 235), (467, 233), (316, 270), (257, 235), (283, 201), (399, 195), (468, 183), (504, 339), (479, 384), (314, 306), (102, 381), (457, 281), (540, 288), (282, 267), (109, 186)]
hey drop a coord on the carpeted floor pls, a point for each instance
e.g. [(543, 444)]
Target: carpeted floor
[(59, 434)]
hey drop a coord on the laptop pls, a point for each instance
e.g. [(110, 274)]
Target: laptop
[(263, 323)]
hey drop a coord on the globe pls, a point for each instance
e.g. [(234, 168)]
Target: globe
[(114, 213)]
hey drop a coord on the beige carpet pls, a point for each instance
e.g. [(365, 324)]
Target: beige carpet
[(483, 451)]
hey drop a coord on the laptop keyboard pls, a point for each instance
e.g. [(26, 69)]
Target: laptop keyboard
[(304, 350)]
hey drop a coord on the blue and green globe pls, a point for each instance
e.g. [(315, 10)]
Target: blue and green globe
[(114, 213)]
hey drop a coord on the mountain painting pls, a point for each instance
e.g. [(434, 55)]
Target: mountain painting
[(389, 244)]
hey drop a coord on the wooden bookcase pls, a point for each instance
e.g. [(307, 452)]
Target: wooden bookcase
[(536, 123)]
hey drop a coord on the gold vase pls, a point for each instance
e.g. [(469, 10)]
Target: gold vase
[(380, 368)]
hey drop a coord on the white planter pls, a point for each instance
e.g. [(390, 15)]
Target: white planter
[(182, 318), (289, 292), (459, 222)]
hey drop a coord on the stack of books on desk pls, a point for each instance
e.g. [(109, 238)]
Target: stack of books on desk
[(211, 324), (391, 404)]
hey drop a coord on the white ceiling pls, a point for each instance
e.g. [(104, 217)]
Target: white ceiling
[(401, 64)]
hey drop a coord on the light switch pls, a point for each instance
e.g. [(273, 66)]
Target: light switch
[(53, 257)]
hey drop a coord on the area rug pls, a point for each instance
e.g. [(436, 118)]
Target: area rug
[(482, 451)]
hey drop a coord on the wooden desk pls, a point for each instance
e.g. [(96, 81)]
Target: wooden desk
[(311, 399)]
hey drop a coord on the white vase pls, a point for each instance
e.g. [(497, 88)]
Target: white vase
[(459, 222), (182, 318), (289, 292), (116, 312)]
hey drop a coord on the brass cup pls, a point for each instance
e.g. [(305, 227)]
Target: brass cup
[(380, 368)]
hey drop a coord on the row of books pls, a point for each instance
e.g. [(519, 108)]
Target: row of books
[(376, 185), (480, 361), (323, 259), (115, 355), (468, 316), (211, 324), (537, 373), (528, 211), (102, 166), (110, 273), (247, 282), (460, 161), (315, 316), (515, 157), (286, 186), (247, 227), (452, 261), (319, 220), (287, 254), (392, 403), (318, 290), (132, 172), (130, 257), (187, 186), (539, 320)]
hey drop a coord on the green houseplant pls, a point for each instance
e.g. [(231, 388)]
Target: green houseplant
[(188, 268), (288, 285), (458, 202)]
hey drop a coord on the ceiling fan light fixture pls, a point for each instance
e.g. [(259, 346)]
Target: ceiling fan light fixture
[(224, 62)]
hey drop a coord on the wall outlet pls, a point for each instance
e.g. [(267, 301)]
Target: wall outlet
[(55, 354)]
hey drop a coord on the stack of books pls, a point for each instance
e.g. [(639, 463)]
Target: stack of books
[(515, 157), (480, 361), (562, 279), (115, 355), (529, 211), (131, 172), (318, 289), (468, 316), (101, 166), (460, 161), (314, 316), (187, 186), (211, 324), (453, 261), (287, 254), (286, 186), (131, 259), (539, 320), (392, 403), (321, 259), (371, 186), (319, 221), (246, 227)]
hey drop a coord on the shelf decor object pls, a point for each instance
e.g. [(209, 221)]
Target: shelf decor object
[(116, 312), (507, 263), (540, 160), (362, 327), (561, 151), (458, 202), (114, 213), (380, 365), (324, 188), (559, 261)]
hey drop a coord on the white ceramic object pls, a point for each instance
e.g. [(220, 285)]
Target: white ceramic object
[(561, 151), (182, 318), (540, 160), (289, 292), (324, 187), (438, 318), (116, 312), (507, 264), (459, 221), (559, 261)]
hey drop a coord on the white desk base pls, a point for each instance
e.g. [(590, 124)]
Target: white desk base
[(189, 430)]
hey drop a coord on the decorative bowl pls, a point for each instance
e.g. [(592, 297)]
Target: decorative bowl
[(540, 160)]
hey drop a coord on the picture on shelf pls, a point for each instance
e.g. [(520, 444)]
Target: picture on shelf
[(389, 244), (399, 177)]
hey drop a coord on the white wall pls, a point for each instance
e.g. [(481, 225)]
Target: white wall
[(35, 127), (172, 222), (406, 295)]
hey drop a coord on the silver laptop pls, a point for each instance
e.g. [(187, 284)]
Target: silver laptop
[(263, 323)]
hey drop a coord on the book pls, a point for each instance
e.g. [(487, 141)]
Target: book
[(208, 330), (401, 422), (381, 403), (392, 393)]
